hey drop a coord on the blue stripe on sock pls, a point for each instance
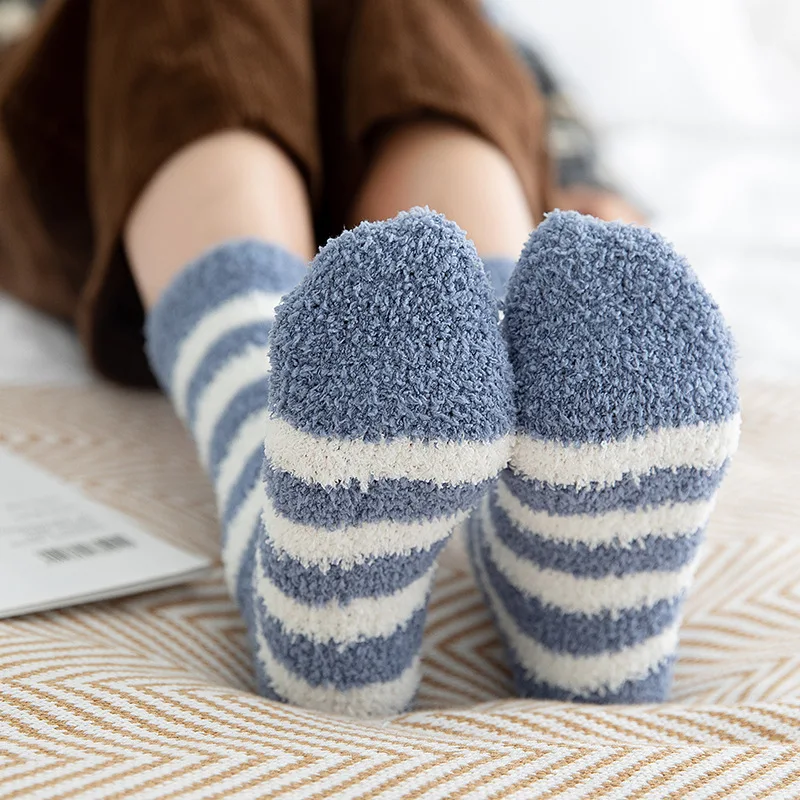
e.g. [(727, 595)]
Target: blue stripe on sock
[(400, 500), (654, 688), (649, 554), (244, 576), (264, 685), (574, 633), (246, 600), (248, 478), (375, 660), (681, 485), (237, 267), (244, 405), (376, 577), (472, 540), (219, 354)]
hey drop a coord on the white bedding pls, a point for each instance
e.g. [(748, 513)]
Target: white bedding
[(696, 105)]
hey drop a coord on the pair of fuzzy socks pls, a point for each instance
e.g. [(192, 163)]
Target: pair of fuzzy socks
[(351, 428)]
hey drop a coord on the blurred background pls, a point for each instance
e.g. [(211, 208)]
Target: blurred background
[(696, 109), (695, 106)]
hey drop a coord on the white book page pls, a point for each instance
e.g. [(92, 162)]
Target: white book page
[(59, 548)]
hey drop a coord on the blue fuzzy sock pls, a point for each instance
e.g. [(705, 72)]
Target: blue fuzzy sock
[(391, 414), (627, 417), (207, 341), (207, 345)]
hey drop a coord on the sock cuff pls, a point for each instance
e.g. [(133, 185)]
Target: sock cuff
[(246, 270), (498, 270)]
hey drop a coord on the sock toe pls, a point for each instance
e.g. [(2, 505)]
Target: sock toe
[(392, 334), (391, 414), (611, 335)]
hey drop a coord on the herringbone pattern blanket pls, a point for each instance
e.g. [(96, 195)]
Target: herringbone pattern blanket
[(152, 696)]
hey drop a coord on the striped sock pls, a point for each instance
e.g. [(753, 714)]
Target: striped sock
[(207, 345), (627, 417), (391, 413)]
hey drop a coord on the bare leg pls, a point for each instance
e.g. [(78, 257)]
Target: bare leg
[(600, 203), (455, 172), (229, 185)]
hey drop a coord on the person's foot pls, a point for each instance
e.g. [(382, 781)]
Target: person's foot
[(627, 416), (390, 414)]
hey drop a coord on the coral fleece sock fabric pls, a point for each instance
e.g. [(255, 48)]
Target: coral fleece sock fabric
[(207, 342), (345, 442), (391, 414), (627, 415)]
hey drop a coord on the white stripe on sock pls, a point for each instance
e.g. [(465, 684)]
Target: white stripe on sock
[(235, 313), (249, 366), (583, 595), (359, 619), (238, 533), (581, 674), (329, 461), (248, 437), (374, 700), (353, 545), (704, 446), (613, 526)]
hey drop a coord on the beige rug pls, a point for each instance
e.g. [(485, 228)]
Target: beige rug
[(151, 696)]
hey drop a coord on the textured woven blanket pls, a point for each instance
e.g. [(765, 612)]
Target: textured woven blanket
[(152, 696)]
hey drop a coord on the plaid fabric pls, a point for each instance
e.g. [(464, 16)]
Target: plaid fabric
[(151, 696)]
